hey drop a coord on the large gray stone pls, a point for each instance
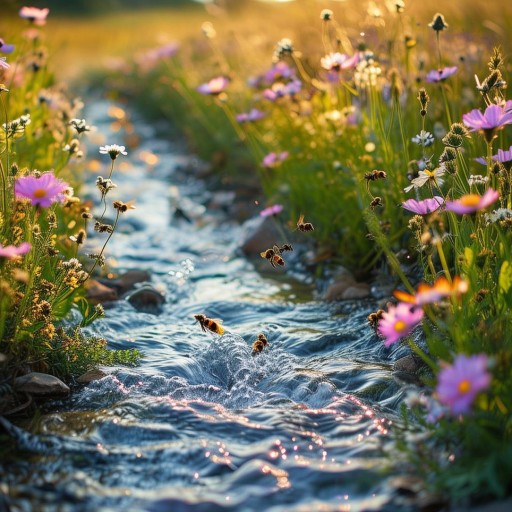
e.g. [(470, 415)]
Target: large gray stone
[(41, 385)]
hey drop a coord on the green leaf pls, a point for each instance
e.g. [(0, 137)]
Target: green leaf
[(505, 279)]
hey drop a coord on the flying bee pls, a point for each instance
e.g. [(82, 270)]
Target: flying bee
[(259, 344), (273, 256), (210, 324), (374, 176), (374, 318), (285, 247), (304, 226)]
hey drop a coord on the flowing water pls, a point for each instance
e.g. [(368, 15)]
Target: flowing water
[(201, 424)]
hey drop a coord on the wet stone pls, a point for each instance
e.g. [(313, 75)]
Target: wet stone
[(91, 376), (146, 299), (407, 369), (346, 288), (97, 293), (41, 385), (260, 233), (127, 281)]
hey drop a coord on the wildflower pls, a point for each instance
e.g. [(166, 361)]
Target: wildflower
[(423, 98), (104, 184), (438, 23), (471, 203), (438, 75), (279, 71), (493, 119), (16, 127), (11, 251), (326, 15), (398, 322), (426, 294), (273, 159), (6, 48), (214, 87), (34, 15), (427, 176), (272, 210), (41, 191), (498, 215), (425, 206), (338, 61), (3, 64), (80, 125), (283, 47), (113, 150), (459, 383), (477, 179), (279, 90), (424, 139), (253, 115)]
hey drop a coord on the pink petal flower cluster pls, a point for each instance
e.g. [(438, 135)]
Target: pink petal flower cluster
[(471, 203), (458, 384), (34, 14), (214, 86), (425, 206), (339, 61), (271, 210), (11, 251), (273, 159), (398, 321), (253, 115), (438, 75), (41, 191)]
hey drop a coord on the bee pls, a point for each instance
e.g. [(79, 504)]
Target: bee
[(259, 344), (285, 247), (373, 318), (377, 201), (304, 226), (374, 176), (273, 256), (210, 324)]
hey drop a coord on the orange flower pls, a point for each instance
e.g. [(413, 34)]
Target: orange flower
[(427, 294)]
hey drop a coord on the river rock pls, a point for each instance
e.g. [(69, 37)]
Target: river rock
[(260, 233), (41, 385), (127, 281), (346, 288), (97, 293), (91, 375), (407, 369), (146, 299)]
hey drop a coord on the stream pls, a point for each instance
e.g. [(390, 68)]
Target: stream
[(202, 424)]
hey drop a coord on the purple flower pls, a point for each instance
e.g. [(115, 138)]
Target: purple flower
[(501, 156), (43, 191), (272, 210), (279, 90), (458, 384), (423, 207), (438, 75), (471, 203), (398, 322), (11, 251), (34, 14), (253, 115), (273, 159), (3, 64), (214, 86), (6, 48), (338, 61), (494, 118), (279, 71)]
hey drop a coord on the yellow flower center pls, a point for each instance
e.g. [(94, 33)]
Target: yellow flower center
[(400, 326), (430, 174), (470, 200), (39, 193), (464, 386)]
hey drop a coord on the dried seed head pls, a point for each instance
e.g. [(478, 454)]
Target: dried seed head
[(496, 61), (438, 23), (449, 154), (451, 167), (459, 129), (452, 140), (416, 223), (423, 98), (326, 15)]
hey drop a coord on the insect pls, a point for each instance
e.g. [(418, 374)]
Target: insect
[(374, 176), (304, 226), (285, 247), (273, 256), (373, 318), (210, 324), (259, 344)]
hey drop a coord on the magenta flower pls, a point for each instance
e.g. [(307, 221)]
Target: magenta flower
[(273, 159), (458, 384), (279, 71), (493, 119), (3, 64), (272, 210), (471, 203), (338, 61), (279, 90), (11, 251), (34, 14), (438, 75), (253, 115), (214, 86), (398, 322), (6, 48), (42, 191), (501, 156), (423, 207)]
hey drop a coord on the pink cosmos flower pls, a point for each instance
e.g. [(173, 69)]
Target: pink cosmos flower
[(493, 119), (253, 115), (471, 203), (6, 48), (11, 251), (272, 210), (3, 64), (398, 322), (338, 61), (214, 86), (425, 206), (438, 75), (279, 90), (34, 14), (279, 71), (273, 159), (42, 191), (458, 384)]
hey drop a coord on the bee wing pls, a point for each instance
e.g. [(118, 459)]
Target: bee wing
[(218, 320), (301, 219)]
